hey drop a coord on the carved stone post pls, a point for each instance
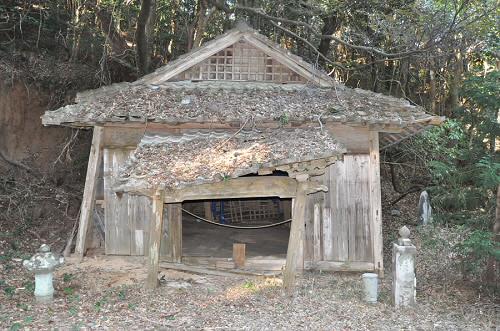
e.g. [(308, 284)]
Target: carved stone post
[(403, 269)]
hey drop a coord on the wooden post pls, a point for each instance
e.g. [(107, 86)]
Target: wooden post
[(376, 204), (239, 255), (175, 232), (154, 240), (296, 239), (317, 256), (287, 209), (208, 210), (88, 202)]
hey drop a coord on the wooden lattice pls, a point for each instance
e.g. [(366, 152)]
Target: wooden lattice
[(241, 62), (245, 211)]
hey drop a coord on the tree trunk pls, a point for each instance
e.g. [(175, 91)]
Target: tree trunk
[(455, 81), (432, 87), (145, 23), (330, 25), (492, 266), (76, 8)]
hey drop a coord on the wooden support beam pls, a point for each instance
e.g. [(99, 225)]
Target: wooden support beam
[(245, 187), (154, 240), (296, 239), (376, 204), (239, 255), (88, 202), (344, 266), (207, 205), (175, 232)]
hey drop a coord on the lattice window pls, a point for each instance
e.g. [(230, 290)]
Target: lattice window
[(241, 62)]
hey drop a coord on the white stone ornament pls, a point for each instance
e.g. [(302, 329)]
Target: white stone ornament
[(403, 270), (42, 264), (424, 209)]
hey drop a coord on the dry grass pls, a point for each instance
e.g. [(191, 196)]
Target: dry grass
[(108, 292)]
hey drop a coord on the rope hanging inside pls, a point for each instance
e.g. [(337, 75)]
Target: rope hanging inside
[(235, 226)]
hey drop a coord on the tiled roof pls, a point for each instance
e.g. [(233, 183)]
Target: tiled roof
[(173, 162), (188, 102)]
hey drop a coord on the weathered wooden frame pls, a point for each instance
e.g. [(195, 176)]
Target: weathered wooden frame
[(247, 187)]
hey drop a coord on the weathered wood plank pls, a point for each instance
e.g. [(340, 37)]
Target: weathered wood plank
[(126, 134), (327, 237), (376, 204), (207, 205), (245, 187), (88, 202), (344, 266), (296, 239), (357, 205), (154, 240), (175, 232), (355, 139), (116, 211), (318, 256), (139, 215), (239, 255), (340, 223)]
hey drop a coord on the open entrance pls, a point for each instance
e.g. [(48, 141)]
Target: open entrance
[(211, 245)]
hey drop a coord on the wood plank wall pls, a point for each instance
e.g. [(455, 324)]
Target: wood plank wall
[(338, 226), (127, 217)]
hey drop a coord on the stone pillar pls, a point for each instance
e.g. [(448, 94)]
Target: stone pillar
[(424, 209), (403, 270)]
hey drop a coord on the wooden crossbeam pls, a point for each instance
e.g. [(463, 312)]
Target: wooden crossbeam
[(245, 187)]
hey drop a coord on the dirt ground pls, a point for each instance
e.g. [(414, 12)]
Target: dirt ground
[(202, 239), (108, 293)]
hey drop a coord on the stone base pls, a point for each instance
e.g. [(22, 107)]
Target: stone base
[(44, 299)]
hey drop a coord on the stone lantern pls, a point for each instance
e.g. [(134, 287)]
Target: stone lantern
[(43, 264)]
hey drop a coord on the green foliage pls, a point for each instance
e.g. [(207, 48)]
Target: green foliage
[(284, 119), (9, 291), (465, 170), (249, 285), (68, 290), (122, 294), (73, 311), (16, 326), (67, 277), (475, 251)]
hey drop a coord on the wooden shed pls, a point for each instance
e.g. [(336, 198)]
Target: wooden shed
[(239, 118)]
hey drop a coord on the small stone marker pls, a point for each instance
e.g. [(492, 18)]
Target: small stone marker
[(424, 209), (403, 269), (43, 264)]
